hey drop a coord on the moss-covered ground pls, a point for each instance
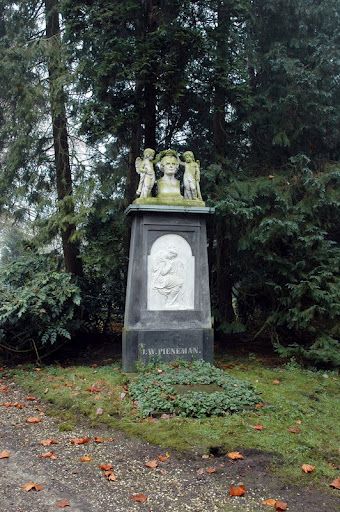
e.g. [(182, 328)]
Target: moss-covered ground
[(300, 413)]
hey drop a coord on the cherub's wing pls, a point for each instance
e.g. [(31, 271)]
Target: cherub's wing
[(198, 170), (138, 164)]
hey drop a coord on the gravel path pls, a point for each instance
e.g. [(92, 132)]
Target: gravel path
[(179, 484)]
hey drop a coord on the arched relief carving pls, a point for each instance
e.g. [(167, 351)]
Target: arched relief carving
[(171, 274)]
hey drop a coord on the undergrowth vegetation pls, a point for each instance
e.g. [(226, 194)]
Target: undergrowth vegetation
[(283, 235), (155, 391), (38, 304)]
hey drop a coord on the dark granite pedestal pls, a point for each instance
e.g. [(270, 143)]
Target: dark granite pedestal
[(167, 311)]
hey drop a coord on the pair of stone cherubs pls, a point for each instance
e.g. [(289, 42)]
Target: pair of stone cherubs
[(168, 185)]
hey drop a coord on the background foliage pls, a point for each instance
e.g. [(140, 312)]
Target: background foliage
[(251, 87)]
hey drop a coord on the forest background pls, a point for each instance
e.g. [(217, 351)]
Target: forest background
[(251, 86)]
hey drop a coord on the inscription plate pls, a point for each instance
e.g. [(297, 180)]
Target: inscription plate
[(169, 346)]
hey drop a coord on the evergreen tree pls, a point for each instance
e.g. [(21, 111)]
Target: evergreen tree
[(132, 59), (34, 115), (294, 73), (57, 98)]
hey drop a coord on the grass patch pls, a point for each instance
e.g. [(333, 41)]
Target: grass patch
[(294, 398)]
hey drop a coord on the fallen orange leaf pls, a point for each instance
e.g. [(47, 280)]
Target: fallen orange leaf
[(280, 506), (152, 464), (239, 490), (48, 442), (94, 389), (164, 457), (294, 430), (307, 468), (33, 419), (32, 486), (12, 404), (85, 458), (259, 405), (80, 440), (335, 483), (110, 475), (62, 503), (270, 502), (4, 389), (30, 398), (211, 470), (139, 498), (4, 454), (235, 456), (48, 455), (258, 427), (103, 439), (105, 467)]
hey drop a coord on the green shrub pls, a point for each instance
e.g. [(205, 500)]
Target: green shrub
[(283, 233), (37, 303)]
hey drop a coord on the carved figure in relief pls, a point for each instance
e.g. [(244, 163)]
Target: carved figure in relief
[(168, 185), (168, 276), (144, 167), (191, 179)]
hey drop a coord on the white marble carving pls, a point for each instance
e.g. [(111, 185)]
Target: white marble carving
[(171, 274)]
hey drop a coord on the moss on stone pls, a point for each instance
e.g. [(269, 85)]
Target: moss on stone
[(169, 201)]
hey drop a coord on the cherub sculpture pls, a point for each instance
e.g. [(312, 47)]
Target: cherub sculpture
[(191, 178), (144, 167)]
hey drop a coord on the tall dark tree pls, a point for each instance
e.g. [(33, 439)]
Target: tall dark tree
[(21, 107), (56, 70), (224, 281), (294, 70), (132, 59), (229, 88)]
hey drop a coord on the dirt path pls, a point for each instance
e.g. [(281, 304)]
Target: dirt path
[(179, 484)]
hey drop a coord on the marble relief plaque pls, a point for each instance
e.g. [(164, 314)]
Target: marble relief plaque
[(171, 274)]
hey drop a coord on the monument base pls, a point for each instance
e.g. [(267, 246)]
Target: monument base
[(167, 311), (149, 346)]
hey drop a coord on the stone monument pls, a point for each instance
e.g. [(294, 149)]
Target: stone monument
[(167, 311)]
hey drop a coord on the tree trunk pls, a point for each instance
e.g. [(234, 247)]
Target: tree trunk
[(2, 34), (223, 278), (56, 69), (220, 92), (145, 100), (150, 115), (134, 151), (151, 24), (224, 283)]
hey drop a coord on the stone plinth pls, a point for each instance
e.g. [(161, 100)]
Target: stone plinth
[(167, 311)]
